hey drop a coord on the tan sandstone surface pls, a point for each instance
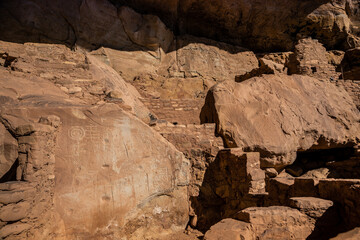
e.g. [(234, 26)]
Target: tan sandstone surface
[(179, 119), (94, 168), (279, 115)]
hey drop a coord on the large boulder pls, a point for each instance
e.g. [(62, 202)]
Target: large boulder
[(230, 229), (263, 223), (278, 115), (277, 222), (113, 174)]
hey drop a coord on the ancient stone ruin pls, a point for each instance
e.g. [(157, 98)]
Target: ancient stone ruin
[(179, 119)]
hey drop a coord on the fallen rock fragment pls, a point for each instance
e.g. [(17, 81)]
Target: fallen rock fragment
[(277, 222), (230, 229), (313, 207)]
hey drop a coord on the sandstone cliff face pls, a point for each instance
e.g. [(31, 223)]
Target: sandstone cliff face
[(96, 168), (102, 180), (279, 115), (274, 25), (90, 90)]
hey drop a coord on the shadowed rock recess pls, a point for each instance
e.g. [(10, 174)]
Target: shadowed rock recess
[(179, 119)]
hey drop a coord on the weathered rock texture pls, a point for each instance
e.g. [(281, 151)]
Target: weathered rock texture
[(102, 139), (85, 170), (279, 115), (59, 72), (263, 223), (9, 152), (300, 192), (273, 25), (311, 58), (350, 65), (350, 235), (103, 181), (176, 111), (264, 26), (199, 145)]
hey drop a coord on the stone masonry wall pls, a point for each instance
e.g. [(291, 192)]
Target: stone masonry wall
[(25, 204), (198, 143), (181, 111)]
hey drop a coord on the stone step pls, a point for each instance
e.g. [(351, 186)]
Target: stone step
[(311, 206)]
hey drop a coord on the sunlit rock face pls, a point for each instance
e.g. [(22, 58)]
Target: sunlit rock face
[(111, 171), (278, 115), (114, 116), (78, 157)]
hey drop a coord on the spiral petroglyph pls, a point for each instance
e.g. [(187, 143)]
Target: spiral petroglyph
[(76, 133)]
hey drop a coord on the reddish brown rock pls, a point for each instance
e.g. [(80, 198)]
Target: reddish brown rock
[(87, 166), (317, 173), (127, 186), (230, 229), (263, 223), (279, 190), (348, 199), (350, 235), (274, 25), (351, 64), (279, 114), (232, 181), (8, 150), (13, 229), (277, 222), (311, 58), (16, 196), (313, 207), (65, 75), (198, 144), (95, 170), (14, 212), (145, 30), (203, 57)]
